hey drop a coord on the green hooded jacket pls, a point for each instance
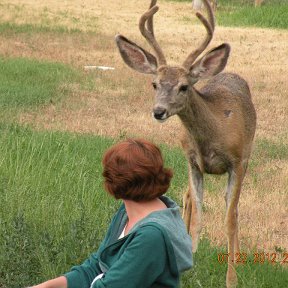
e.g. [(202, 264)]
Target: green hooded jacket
[(151, 255)]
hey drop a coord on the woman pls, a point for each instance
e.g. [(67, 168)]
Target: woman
[(146, 244)]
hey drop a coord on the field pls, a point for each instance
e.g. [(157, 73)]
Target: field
[(57, 119)]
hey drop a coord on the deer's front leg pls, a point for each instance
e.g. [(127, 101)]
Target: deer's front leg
[(193, 204), (231, 221)]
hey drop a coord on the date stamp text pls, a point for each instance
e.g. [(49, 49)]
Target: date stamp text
[(258, 258)]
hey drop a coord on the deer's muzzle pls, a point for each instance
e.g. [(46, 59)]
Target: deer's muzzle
[(160, 113)]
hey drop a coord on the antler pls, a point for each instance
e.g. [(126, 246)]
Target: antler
[(210, 26), (148, 32)]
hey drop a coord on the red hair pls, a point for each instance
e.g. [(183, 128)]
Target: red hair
[(133, 170)]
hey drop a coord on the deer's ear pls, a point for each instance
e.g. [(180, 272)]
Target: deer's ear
[(211, 63), (136, 57)]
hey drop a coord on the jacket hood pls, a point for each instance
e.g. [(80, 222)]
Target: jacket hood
[(170, 219)]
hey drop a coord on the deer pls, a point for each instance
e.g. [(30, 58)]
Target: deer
[(219, 120)]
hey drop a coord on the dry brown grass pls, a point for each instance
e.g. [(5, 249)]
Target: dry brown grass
[(122, 101)]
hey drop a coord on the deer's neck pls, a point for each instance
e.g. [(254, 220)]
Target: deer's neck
[(198, 119)]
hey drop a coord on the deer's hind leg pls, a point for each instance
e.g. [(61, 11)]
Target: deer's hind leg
[(231, 221), (229, 192), (193, 199)]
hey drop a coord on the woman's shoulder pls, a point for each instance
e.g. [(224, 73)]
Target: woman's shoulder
[(151, 236), (154, 237), (151, 231)]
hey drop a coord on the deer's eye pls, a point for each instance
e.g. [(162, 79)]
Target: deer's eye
[(154, 85), (183, 88)]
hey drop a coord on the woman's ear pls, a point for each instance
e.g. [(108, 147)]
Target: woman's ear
[(211, 63), (136, 57)]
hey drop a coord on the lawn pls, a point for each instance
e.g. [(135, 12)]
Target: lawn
[(58, 119), (237, 13)]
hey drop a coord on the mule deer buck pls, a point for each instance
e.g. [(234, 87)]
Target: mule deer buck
[(219, 120)]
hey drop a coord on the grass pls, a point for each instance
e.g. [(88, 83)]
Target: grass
[(271, 150), (242, 13), (267, 16), (42, 181), (46, 175), (30, 83), (74, 19), (210, 268), (45, 20), (8, 28), (51, 191)]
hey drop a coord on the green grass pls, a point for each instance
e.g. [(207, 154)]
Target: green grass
[(266, 16), (31, 83), (272, 14), (272, 150), (209, 270), (54, 211), (27, 84), (51, 198)]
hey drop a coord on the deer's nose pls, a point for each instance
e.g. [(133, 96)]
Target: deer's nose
[(159, 112)]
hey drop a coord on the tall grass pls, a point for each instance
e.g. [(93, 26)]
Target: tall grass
[(51, 203), (54, 211)]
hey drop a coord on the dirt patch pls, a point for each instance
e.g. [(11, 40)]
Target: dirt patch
[(71, 48), (121, 103)]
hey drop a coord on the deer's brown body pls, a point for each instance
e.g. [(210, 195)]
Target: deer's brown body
[(220, 124), (219, 120)]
